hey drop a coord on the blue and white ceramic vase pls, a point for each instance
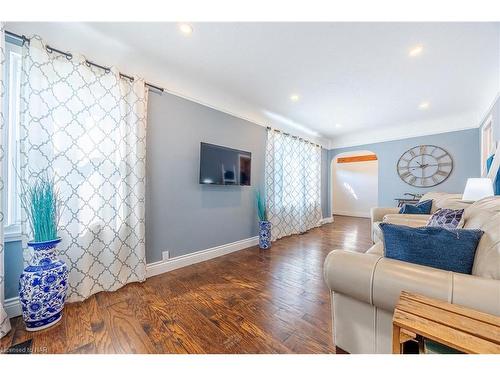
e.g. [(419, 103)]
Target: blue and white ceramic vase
[(264, 234), (43, 286)]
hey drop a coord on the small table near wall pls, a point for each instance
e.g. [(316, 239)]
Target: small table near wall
[(453, 326)]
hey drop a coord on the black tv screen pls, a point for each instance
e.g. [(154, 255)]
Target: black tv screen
[(224, 166)]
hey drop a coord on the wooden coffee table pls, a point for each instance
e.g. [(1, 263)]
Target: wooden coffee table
[(454, 326)]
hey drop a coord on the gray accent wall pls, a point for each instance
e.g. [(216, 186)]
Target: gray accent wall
[(463, 146), (13, 266), (183, 216)]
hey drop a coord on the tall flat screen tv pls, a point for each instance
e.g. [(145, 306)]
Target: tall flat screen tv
[(224, 166)]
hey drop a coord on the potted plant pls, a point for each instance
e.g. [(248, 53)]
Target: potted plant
[(264, 224), (44, 282)]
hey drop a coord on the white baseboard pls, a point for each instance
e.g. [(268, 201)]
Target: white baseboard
[(352, 213), (326, 220), (163, 266), (13, 307)]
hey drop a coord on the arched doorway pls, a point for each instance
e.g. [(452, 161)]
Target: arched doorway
[(354, 183)]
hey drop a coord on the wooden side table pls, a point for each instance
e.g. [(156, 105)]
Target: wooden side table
[(457, 327)]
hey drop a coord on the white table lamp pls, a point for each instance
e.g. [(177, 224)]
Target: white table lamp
[(477, 188)]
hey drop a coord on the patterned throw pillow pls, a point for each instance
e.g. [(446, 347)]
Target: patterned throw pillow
[(419, 208), (447, 218)]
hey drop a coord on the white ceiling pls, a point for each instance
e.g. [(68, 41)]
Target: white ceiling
[(356, 74)]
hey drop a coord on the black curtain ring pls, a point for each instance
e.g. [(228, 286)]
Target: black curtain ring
[(68, 55)]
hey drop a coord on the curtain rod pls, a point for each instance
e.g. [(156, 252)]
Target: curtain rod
[(25, 40), (293, 136)]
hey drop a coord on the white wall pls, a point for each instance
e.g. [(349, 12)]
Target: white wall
[(355, 186)]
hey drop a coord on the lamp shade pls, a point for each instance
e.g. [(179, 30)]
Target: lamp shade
[(477, 188)]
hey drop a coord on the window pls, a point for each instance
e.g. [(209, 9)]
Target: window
[(11, 106), (293, 184), (487, 143)]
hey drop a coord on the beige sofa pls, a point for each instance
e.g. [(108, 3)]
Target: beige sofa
[(391, 214), (366, 286)]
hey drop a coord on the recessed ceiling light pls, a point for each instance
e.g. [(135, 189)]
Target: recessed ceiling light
[(424, 105), (294, 98), (415, 51), (338, 125), (186, 28)]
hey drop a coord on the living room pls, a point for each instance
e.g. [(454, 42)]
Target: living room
[(279, 187)]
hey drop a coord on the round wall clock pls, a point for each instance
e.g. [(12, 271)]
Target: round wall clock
[(425, 166)]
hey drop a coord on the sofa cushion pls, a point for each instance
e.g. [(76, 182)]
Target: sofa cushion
[(423, 207), (447, 218), (447, 249), (399, 219), (411, 220), (444, 200)]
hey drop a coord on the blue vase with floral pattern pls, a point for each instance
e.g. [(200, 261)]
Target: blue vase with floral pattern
[(43, 286), (264, 234)]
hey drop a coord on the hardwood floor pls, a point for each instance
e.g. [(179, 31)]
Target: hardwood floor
[(250, 301)]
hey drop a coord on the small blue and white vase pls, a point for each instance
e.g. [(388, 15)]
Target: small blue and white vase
[(43, 286), (264, 234)]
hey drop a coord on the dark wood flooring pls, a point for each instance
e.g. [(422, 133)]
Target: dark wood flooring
[(250, 301)]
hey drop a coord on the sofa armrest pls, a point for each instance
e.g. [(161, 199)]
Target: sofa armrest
[(373, 279), (393, 276), (477, 293), (351, 273), (378, 213)]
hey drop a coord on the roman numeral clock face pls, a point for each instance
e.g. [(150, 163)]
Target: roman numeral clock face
[(425, 166)]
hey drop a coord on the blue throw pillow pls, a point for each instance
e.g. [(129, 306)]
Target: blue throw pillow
[(423, 208), (447, 249)]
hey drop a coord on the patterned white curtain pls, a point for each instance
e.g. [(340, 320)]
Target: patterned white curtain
[(87, 127), (4, 320), (293, 184)]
